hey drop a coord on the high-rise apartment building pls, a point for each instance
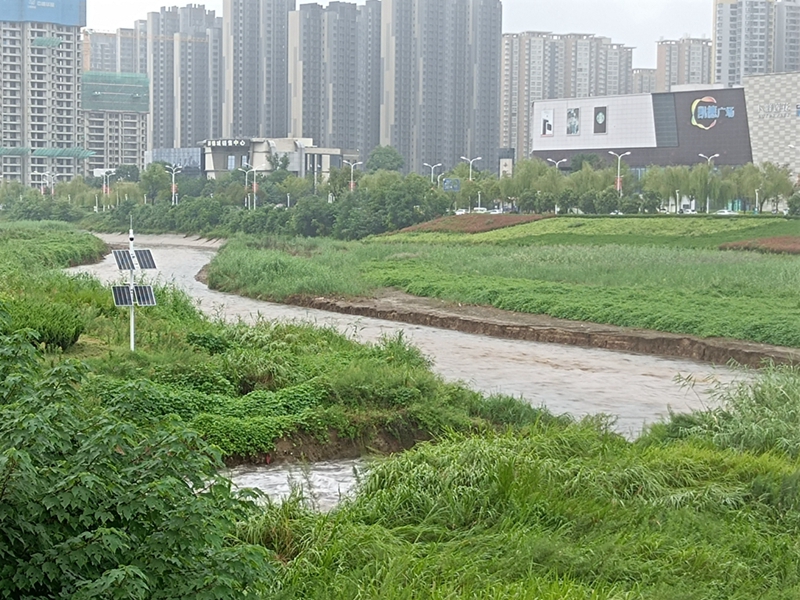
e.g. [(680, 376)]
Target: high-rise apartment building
[(644, 81), (543, 66), (744, 33), (441, 80), (686, 61), (184, 64), (40, 68), (115, 109), (255, 40), (787, 36), (368, 70), (118, 52)]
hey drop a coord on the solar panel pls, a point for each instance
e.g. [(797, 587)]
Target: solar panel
[(144, 295), (124, 261), (122, 295), (145, 259)]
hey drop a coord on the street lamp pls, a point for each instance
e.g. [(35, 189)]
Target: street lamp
[(107, 175), (246, 175), (439, 180), (432, 168), (619, 169), (556, 162), (174, 170), (353, 165), (470, 161), (708, 159)]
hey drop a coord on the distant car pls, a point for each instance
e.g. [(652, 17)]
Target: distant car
[(616, 212), (496, 211), (461, 211), (480, 210), (689, 211), (725, 211)]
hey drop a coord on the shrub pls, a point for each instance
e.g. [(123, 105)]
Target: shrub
[(56, 325)]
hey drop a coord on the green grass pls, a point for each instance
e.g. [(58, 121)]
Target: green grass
[(559, 511), (681, 290), (679, 232)]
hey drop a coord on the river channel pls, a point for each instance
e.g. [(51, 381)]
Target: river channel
[(635, 389)]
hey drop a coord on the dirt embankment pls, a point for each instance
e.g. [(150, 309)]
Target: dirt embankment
[(397, 306)]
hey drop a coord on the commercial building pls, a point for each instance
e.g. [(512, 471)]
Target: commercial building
[(543, 65), (441, 80), (255, 41), (774, 112), (41, 125), (115, 110), (220, 157), (687, 61), (656, 129)]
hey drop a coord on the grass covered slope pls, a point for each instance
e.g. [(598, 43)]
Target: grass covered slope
[(701, 292), (563, 511)]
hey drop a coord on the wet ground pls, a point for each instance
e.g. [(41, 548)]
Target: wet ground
[(635, 389)]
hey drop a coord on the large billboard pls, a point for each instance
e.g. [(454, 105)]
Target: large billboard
[(71, 13), (660, 129)]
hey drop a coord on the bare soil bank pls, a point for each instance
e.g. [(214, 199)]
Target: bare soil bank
[(393, 305)]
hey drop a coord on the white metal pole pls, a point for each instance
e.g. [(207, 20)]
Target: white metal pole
[(133, 297)]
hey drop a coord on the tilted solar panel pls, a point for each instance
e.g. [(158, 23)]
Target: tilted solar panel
[(144, 295), (145, 259), (122, 295), (124, 260)]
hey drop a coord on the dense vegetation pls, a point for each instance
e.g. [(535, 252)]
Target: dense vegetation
[(108, 489), (676, 283)]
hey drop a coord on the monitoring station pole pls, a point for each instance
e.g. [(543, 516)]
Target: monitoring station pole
[(131, 295)]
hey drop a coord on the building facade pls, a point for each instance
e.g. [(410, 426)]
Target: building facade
[(644, 81), (255, 41), (115, 109), (774, 112), (687, 61), (41, 129), (656, 129), (441, 80)]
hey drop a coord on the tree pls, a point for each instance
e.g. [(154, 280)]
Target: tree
[(95, 506), (155, 182), (127, 173), (385, 158), (593, 160), (776, 183)]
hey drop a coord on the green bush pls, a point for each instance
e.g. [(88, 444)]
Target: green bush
[(57, 325)]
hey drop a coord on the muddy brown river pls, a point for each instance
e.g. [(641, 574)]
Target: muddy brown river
[(635, 389)]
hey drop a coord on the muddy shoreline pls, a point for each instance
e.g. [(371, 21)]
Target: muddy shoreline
[(393, 305)]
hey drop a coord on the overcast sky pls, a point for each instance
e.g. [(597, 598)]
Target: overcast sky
[(637, 23)]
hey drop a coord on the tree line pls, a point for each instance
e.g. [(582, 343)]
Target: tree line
[(383, 199)]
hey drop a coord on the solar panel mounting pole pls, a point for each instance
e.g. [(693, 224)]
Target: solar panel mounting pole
[(133, 295)]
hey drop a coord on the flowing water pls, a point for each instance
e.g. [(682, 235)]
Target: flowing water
[(635, 389)]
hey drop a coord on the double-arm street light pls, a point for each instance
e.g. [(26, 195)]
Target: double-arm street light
[(432, 168), (557, 162), (708, 160), (246, 176), (619, 169), (471, 161), (353, 165), (174, 170)]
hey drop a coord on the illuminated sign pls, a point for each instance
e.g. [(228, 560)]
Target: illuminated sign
[(706, 114), (228, 144)]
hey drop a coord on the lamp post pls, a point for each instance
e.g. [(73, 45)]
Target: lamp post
[(174, 170), (107, 182), (619, 169), (432, 168), (557, 162), (677, 200), (353, 165), (470, 161), (708, 160), (246, 175)]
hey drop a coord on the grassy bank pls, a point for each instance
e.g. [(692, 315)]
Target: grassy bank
[(244, 389), (705, 507), (696, 291)]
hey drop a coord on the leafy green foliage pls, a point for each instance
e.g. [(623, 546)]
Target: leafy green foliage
[(55, 324), (92, 506)]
